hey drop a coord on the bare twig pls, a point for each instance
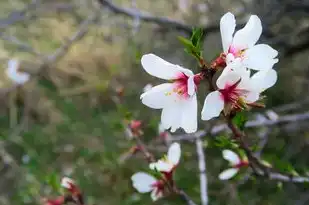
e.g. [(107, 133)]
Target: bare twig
[(162, 21), (202, 168), (250, 124)]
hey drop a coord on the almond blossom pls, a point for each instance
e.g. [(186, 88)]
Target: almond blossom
[(235, 162), (168, 163), (177, 99), (242, 45), (145, 183), (14, 74), (236, 90)]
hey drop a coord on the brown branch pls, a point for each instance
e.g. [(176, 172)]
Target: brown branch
[(257, 166), (162, 21), (250, 124)]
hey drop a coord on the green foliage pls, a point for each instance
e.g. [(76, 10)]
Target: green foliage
[(193, 46), (240, 120)]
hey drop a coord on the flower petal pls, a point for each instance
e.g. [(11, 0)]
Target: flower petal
[(15, 75), (174, 153), (156, 194), (260, 57), (235, 66), (160, 68), (191, 86), (227, 28), (229, 78), (171, 116), (231, 156), (251, 96), (161, 166), (67, 182), (143, 182), (213, 105), (189, 114), (263, 80), (147, 87), (228, 173), (248, 35), (158, 96)]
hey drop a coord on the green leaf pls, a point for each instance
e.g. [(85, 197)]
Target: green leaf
[(197, 36), (186, 42), (53, 181), (240, 120)]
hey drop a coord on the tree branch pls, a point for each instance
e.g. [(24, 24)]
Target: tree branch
[(202, 168)]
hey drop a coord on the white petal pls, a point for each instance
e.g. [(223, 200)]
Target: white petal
[(171, 116), (213, 105), (263, 80), (147, 87), (251, 96), (235, 66), (143, 182), (157, 97), (260, 57), (67, 182), (231, 156), (15, 75), (189, 115), (174, 153), (160, 68), (227, 174), (191, 86), (230, 78), (248, 35), (155, 194), (227, 28), (161, 128), (161, 166)]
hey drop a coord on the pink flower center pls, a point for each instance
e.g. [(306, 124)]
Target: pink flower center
[(159, 185), (181, 84), (237, 53), (241, 164), (231, 94)]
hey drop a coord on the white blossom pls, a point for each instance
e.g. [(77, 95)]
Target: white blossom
[(237, 89), (242, 45), (168, 163), (235, 163), (67, 183), (145, 183), (177, 99), (14, 74)]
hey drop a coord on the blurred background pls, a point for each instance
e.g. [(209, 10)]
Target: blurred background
[(84, 57)]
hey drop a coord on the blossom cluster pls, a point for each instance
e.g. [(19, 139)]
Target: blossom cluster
[(247, 72), (144, 182)]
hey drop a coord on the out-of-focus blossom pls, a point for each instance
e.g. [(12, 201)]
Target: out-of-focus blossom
[(145, 183), (14, 74), (168, 163), (235, 162)]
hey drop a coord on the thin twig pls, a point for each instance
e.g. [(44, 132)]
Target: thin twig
[(162, 21), (250, 124), (202, 168)]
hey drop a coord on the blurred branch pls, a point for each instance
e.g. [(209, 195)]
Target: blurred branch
[(162, 21), (257, 166), (202, 168), (250, 124)]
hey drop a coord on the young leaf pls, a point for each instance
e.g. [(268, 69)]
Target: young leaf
[(196, 37), (240, 120)]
